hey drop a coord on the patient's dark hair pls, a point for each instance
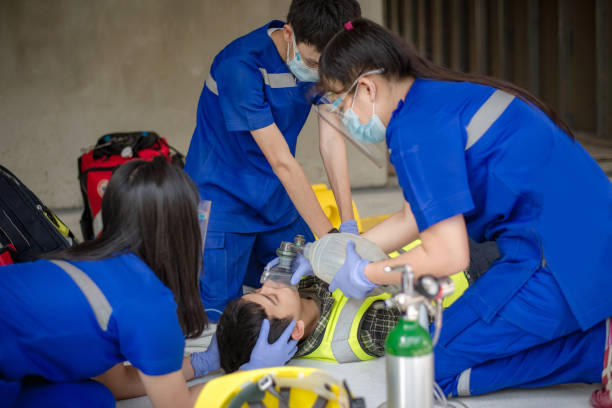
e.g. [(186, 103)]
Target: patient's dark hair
[(315, 22), (150, 209), (238, 330)]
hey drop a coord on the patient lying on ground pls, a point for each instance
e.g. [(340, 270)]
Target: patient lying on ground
[(329, 326)]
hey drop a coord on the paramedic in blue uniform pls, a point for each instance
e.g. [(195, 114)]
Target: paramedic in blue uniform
[(68, 323), (479, 157), (253, 106)]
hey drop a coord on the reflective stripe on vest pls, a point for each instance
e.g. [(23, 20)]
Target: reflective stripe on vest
[(283, 80), (97, 301), (340, 341), (486, 115)]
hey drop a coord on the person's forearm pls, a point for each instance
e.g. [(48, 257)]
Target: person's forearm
[(417, 258), (274, 147), (123, 381), (395, 232), (333, 152), (298, 187), (188, 371), (443, 252)]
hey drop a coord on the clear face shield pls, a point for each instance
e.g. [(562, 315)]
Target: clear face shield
[(342, 118)]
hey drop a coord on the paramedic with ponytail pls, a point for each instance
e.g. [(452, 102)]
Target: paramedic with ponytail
[(68, 322), (479, 157)]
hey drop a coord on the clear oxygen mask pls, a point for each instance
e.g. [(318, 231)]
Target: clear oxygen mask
[(280, 274)]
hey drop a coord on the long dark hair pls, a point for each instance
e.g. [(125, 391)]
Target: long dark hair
[(368, 46), (150, 209)]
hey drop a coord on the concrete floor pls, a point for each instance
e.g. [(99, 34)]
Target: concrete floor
[(367, 380)]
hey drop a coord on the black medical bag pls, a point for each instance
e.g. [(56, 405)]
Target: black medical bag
[(27, 227)]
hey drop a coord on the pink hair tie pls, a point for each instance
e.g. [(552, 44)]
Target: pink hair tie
[(348, 25)]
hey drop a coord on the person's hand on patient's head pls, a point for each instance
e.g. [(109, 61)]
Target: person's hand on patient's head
[(300, 267), (276, 354), (206, 361)]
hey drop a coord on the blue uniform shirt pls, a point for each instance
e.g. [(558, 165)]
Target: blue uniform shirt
[(47, 327), (249, 88), (524, 184)]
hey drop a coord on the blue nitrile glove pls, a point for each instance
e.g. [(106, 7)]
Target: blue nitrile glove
[(351, 278), (349, 226), (206, 361), (277, 354), (300, 267)]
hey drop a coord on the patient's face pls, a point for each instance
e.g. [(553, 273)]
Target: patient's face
[(277, 299)]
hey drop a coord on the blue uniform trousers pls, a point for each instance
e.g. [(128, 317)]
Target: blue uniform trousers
[(233, 259), (533, 341)]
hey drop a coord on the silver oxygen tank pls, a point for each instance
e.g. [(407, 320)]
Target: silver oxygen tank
[(409, 346)]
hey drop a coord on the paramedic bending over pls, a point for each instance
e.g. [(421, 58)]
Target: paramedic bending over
[(479, 157), (254, 104), (129, 295)]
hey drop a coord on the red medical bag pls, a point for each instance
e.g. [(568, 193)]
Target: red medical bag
[(98, 164)]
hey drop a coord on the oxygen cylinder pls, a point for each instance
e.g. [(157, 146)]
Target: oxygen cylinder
[(409, 365)]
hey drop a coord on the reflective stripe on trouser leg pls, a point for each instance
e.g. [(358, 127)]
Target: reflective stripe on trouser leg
[(606, 374), (463, 385)]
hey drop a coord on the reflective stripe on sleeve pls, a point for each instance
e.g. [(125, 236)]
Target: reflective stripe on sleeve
[(211, 84), (284, 80), (486, 115), (97, 301)]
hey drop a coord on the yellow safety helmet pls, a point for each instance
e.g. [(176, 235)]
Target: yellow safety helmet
[(288, 386)]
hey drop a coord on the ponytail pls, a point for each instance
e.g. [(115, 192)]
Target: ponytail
[(368, 46)]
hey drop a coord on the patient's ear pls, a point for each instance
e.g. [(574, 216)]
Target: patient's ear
[(298, 330)]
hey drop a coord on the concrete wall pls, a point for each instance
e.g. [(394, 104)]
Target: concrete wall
[(72, 70)]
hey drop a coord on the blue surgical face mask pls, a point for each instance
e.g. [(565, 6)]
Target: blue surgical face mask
[(298, 68), (372, 132)]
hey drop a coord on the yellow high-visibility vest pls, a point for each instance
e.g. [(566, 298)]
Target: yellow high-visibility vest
[(341, 342)]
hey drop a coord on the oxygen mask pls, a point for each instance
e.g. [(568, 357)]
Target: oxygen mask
[(279, 275)]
